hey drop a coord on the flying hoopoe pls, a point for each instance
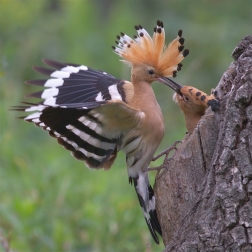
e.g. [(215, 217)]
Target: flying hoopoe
[(94, 115), (193, 102)]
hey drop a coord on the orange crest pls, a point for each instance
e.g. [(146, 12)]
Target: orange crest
[(144, 49)]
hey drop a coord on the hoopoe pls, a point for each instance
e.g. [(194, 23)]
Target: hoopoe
[(193, 102), (94, 115)]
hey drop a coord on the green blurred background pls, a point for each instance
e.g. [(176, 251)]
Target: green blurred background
[(48, 200)]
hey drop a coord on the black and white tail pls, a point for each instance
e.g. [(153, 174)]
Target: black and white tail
[(147, 203)]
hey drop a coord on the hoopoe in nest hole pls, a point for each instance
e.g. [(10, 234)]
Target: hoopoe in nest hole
[(193, 102), (94, 115)]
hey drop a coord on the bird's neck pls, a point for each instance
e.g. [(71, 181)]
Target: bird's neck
[(192, 120), (144, 97)]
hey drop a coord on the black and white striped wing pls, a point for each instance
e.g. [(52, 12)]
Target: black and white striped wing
[(72, 85), (81, 107)]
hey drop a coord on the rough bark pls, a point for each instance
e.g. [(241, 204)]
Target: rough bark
[(204, 199)]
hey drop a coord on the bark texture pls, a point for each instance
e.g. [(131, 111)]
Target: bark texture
[(204, 199)]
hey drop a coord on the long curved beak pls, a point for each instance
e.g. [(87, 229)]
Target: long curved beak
[(170, 83)]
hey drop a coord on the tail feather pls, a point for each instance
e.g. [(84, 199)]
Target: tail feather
[(152, 211), (148, 206)]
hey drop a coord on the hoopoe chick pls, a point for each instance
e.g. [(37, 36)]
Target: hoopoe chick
[(193, 103), (94, 115)]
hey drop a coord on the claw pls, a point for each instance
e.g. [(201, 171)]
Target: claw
[(167, 159)]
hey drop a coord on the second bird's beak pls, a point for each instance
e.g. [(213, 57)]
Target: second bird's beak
[(170, 83)]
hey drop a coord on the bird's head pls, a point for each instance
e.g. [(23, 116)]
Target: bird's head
[(192, 100), (148, 56)]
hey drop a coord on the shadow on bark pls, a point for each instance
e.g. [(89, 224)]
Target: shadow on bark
[(204, 199)]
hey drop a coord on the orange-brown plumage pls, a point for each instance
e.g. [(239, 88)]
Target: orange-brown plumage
[(193, 103), (152, 51), (94, 115)]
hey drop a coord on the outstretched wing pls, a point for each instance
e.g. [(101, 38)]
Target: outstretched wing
[(84, 109), (72, 85)]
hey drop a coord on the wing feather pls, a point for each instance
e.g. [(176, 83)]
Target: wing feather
[(71, 84), (85, 109)]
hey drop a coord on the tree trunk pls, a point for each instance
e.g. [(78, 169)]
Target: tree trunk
[(204, 198)]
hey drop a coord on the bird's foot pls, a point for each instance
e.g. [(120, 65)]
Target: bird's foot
[(167, 159)]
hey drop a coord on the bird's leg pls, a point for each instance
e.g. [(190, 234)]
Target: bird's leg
[(166, 159), (166, 152)]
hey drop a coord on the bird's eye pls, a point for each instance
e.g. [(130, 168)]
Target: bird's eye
[(151, 71)]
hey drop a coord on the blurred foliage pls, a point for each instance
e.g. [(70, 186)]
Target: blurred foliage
[(50, 201)]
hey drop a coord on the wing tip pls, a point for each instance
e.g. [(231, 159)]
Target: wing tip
[(55, 64), (43, 70)]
